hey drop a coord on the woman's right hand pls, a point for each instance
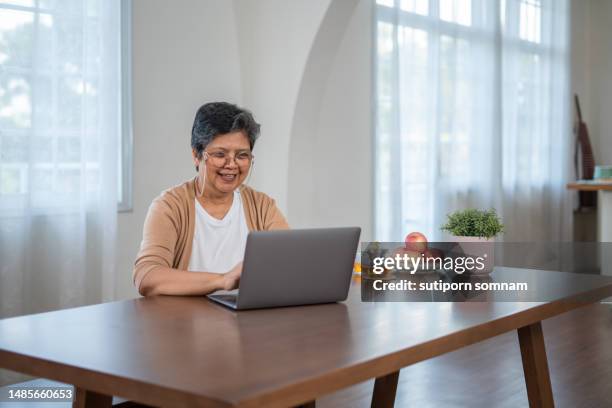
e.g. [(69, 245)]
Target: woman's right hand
[(231, 278)]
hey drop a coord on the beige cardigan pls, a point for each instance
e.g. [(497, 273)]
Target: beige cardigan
[(170, 222)]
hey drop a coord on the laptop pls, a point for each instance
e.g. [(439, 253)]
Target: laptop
[(294, 267)]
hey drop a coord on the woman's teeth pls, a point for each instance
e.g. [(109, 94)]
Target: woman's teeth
[(228, 177)]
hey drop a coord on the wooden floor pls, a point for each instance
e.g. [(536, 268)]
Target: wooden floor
[(490, 374)]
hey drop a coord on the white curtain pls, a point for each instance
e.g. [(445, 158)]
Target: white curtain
[(59, 133), (472, 110)]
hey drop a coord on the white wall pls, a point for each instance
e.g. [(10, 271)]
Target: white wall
[(601, 77), (343, 143), (581, 53), (184, 54), (275, 38), (591, 67), (330, 157)]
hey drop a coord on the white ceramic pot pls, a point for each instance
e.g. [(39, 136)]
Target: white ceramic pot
[(479, 247)]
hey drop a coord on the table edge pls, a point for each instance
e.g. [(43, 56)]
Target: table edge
[(307, 389)]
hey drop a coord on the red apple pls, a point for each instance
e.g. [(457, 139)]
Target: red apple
[(416, 241), (410, 253)]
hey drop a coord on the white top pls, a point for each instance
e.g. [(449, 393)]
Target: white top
[(218, 245)]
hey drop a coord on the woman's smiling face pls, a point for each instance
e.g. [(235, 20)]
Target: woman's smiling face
[(225, 162)]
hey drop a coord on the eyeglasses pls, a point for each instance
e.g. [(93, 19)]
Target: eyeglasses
[(220, 158)]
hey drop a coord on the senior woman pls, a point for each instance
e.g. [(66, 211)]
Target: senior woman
[(195, 233)]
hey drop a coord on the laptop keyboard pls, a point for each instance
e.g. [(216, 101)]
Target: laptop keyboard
[(227, 298)]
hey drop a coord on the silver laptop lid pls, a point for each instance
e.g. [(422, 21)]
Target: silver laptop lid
[(297, 267)]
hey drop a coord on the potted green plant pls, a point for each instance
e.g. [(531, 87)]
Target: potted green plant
[(475, 231)]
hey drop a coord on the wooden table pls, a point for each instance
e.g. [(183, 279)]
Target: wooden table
[(180, 352), (590, 186)]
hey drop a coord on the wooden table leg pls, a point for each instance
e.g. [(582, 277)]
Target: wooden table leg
[(89, 399), (535, 366), (384, 391)]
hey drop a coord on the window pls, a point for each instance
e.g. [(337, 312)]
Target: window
[(468, 94), (64, 70)]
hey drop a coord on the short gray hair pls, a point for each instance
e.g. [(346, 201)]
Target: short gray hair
[(218, 118)]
